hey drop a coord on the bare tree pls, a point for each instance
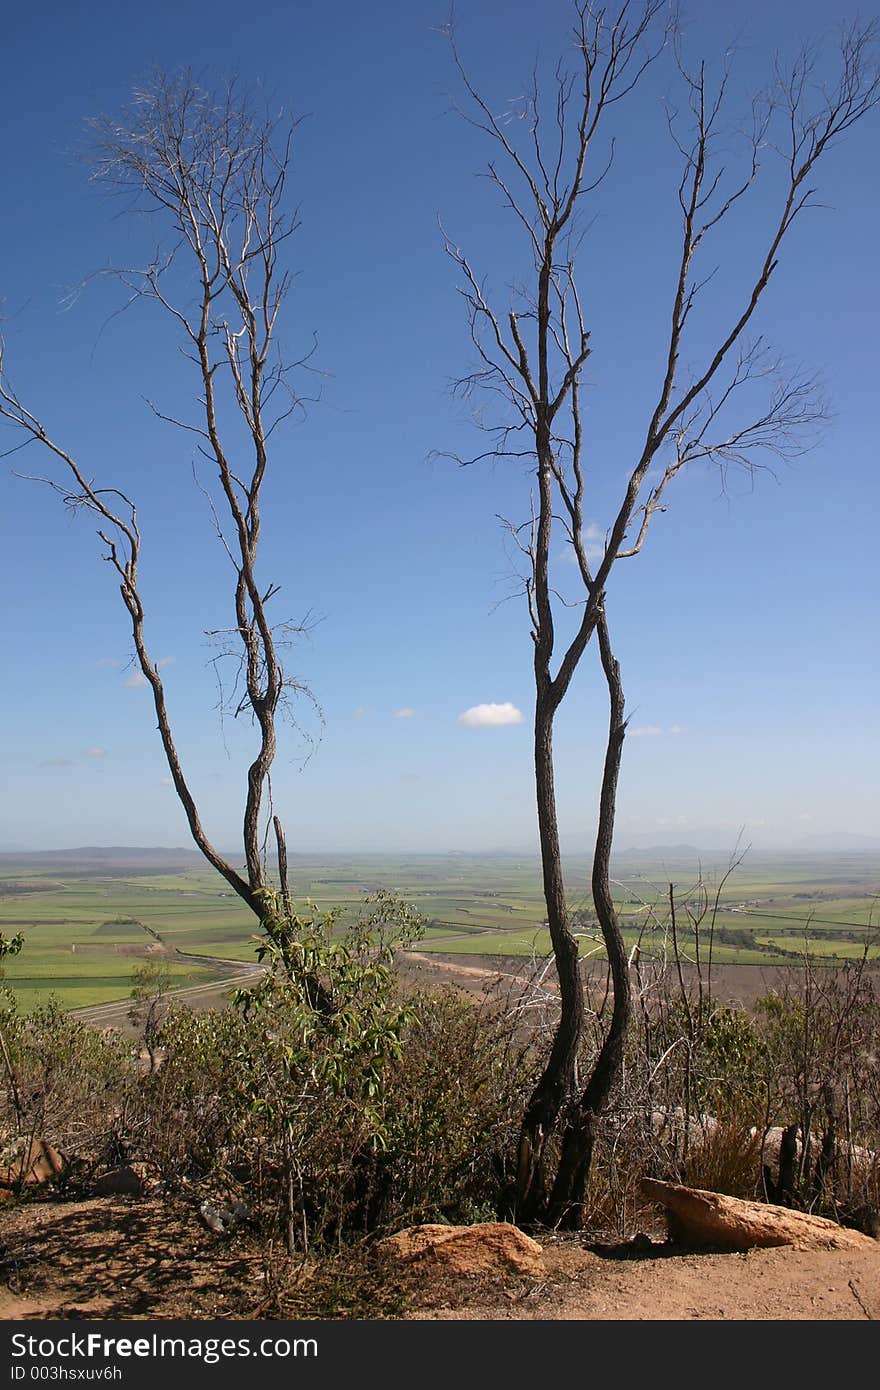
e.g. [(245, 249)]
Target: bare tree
[(210, 170), (531, 357)]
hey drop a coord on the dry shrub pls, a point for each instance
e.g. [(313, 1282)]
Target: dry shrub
[(455, 1103), (438, 1140), (75, 1085), (438, 1143), (728, 1160)]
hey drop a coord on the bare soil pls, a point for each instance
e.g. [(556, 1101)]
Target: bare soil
[(121, 1258), (731, 984)]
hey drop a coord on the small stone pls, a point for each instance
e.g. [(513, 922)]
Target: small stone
[(222, 1219)]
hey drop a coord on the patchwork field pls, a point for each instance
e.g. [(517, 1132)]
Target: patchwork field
[(90, 918)]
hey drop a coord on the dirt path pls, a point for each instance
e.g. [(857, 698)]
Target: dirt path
[(763, 1285), (147, 1258), (431, 969)]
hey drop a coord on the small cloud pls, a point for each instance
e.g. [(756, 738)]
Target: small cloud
[(676, 729), (594, 545), (488, 716), (594, 541), (167, 782), (58, 762), (405, 713), (135, 680), (359, 712), (410, 777), (95, 752), (164, 661), (108, 661), (805, 815)]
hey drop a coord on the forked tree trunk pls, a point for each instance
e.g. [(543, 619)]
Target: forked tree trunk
[(554, 1092), (555, 1086), (569, 1190)]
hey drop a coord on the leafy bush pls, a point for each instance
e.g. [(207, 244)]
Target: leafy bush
[(454, 1106)]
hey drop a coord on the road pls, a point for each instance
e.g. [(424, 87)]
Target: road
[(115, 1015)]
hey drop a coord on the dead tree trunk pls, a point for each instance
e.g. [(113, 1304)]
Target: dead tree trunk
[(554, 1088), (579, 1135)]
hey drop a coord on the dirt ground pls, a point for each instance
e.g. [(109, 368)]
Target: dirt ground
[(121, 1258), (479, 975)]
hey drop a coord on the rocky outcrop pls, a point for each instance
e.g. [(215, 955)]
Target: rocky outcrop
[(488, 1248), (698, 1218)]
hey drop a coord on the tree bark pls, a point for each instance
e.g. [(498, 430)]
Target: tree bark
[(578, 1140), (557, 1080)]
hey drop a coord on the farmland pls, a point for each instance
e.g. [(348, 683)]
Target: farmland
[(90, 918)]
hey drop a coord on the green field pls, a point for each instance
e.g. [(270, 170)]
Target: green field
[(89, 925)]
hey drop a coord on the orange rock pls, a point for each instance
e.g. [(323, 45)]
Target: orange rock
[(490, 1247), (37, 1163), (702, 1218)]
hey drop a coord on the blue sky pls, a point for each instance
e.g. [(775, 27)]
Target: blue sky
[(746, 631)]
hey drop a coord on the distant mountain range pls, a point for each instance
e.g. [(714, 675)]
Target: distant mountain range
[(114, 858), (839, 840), (664, 852), (832, 843), (107, 856)]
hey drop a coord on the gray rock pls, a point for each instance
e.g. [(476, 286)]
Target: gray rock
[(120, 1182), (221, 1218)]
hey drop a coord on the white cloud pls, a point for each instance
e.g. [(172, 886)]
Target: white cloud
[(676, 729), (486, 716), (805, 815), (594, 541), (164, 661), (136, 679), (405, 713), (95, 752), (359, 712), (167, 782), (594, 545)]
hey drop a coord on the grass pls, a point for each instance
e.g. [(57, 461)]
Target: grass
[(87, 929)]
